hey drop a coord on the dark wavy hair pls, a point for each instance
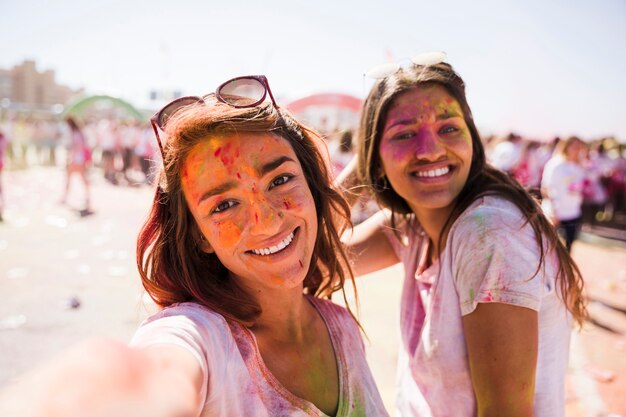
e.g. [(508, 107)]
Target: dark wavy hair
[(483, 179), (173, 267)]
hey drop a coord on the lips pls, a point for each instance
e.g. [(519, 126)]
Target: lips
[(279, 247), (432, 172)]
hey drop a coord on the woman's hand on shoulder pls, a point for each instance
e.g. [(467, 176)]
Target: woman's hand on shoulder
[(502, 344), (103, 378)]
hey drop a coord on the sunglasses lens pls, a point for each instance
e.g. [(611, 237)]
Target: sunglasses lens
[(381, 71), (242, 92), (173, 107), (429, 58)]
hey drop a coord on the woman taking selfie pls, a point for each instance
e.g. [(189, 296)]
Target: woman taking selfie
[(241, 251)]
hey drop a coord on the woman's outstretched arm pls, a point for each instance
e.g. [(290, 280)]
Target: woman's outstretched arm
[(103, 378)]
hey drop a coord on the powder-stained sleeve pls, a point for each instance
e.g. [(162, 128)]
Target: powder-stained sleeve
[(201, 332), (494, 257)]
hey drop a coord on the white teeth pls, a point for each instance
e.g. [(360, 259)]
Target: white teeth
[(434, 172), (273, 249)]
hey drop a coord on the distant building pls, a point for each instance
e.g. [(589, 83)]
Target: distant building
[(24, 88)]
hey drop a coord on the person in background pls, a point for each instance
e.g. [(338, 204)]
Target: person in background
[(490, 292), (507, 154), (78, 162), (3, 146), (241, 251), (562, 187)]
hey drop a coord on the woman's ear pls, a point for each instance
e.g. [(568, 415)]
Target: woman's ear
[(205, 246)]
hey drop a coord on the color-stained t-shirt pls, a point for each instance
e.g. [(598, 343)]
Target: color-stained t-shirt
[(236, 380), (490, 256)]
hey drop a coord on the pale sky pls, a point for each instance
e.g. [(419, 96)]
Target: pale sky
[(537, 67)]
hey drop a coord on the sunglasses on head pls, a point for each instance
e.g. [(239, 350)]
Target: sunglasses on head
[(239, 92), (424, 59)]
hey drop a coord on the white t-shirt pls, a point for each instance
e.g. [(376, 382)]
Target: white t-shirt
[(506, 155), (236, 381), (489, 257), (564, 182)]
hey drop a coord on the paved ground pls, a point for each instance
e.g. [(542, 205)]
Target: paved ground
[(50, 259)]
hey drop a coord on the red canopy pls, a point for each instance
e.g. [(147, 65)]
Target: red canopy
[(344, 101)]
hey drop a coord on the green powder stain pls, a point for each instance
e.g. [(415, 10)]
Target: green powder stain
[(357, 407), (471, 294)]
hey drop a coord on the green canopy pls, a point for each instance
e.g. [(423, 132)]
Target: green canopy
[(80, 105)]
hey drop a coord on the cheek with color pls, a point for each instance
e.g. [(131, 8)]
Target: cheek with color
[(226, 233)]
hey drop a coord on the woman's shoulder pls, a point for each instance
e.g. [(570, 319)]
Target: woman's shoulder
[(190, 315), (490, 213)]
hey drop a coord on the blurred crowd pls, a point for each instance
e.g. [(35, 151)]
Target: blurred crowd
[(602, 186), (124, 150), (125, 153)]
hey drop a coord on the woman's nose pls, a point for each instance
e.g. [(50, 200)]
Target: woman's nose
[(264, 217), (429, 146)]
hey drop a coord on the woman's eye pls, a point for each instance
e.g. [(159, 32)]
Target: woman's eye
[(223, 206), (403, 135), (280, 180), (448, 129)]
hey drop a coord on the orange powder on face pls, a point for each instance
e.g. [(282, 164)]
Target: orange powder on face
[(228, 232)]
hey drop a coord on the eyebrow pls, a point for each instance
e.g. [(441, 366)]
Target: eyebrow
[(441, 116), (217, 190), (270, 166), (222, 188)]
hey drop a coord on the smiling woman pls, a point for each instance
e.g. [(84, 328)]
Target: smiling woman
[(490, 292), (241, 251)]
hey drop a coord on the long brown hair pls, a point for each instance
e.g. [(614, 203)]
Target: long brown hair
[(483, 180), (173, 267)]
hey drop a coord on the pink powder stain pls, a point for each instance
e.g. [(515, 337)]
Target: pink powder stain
[(489, 297), (286, 204), (256, 218), (218, 152), (238, 175)]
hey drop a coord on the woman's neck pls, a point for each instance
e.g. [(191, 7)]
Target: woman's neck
[(433, 221), (284, 317)]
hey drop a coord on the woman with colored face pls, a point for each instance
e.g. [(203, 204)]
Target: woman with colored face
[(490, 292), (241, 251)]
